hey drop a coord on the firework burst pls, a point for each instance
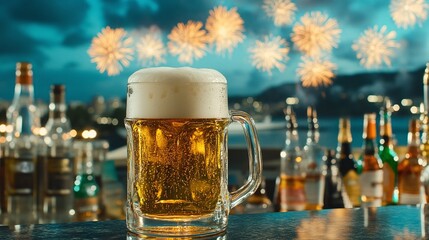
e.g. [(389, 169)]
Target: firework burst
[(406, 13), (282, 11), (316, 72), (188, 41), (375, 47), (270, 53), (315, 34), (111, 51), (150, 48), (224, 29)]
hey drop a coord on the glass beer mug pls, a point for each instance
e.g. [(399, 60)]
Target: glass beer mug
[(177, 121)]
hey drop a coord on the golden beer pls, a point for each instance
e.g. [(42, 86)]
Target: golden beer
[(177, 166)]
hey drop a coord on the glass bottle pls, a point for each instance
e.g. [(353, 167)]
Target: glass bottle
[(86, 190), (259, 202), (57, 161), (21, 150), (100, 149), (290, 191), (333, 197), (347, 164), (410, 168), (424, 146), (371, 178), (388, 156), (315, 168)]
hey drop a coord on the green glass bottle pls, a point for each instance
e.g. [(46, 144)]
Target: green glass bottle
[(388, 156), (86, 189)]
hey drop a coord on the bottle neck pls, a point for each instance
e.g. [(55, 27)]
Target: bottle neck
[(386, 130), (344, 149), (24, 93), (413, 139), (57, 110), (292, 139), (370, 146), (426, 89), (312, 136)]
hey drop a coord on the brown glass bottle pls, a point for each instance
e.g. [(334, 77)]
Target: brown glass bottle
[(410, 168), (371, 178)]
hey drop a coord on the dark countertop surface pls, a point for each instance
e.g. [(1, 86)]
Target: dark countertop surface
[(392, 222)]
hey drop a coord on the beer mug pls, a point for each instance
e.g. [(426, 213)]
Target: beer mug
[(177, 178)]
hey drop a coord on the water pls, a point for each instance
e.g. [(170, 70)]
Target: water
[(275, 138)]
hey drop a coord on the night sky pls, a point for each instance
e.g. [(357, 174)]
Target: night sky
[(55, 37)]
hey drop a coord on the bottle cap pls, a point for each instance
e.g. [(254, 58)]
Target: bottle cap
[(24, 73), (58, 93), (369, 126)]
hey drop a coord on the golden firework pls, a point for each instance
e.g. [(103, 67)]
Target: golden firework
[(406, 13), (282, 11), (316, 72), (188, 41), (224, 29), (316, 33), (111, 51), (150, 48), (375, 47), (270, 53)]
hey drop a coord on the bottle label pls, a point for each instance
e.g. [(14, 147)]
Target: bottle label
[(292, 194), (407, 198), (294, 200), (352, 187), (388, 183), (86, 208), (409, 188), (314, 189), (20, 176), (59, 178), (372, 187)]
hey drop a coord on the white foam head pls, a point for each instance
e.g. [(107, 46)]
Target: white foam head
[(166, 92)]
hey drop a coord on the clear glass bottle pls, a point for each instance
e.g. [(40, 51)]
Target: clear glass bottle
[(315, 167), (388, 156), (424, 146), (289, 193), (371, 178), (86, 189), (410, 168), (259, 202), (21, 150), (347, 164), (57, 161)]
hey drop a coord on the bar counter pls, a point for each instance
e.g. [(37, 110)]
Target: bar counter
[(392, 222)]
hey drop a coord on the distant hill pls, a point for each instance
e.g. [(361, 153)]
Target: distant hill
[(348, 93)]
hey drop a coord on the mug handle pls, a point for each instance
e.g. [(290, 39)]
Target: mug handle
[(254, 154)]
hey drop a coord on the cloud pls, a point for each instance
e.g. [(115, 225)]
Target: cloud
[(76, 38), (64, 14), (18, 45), (166, 14)]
